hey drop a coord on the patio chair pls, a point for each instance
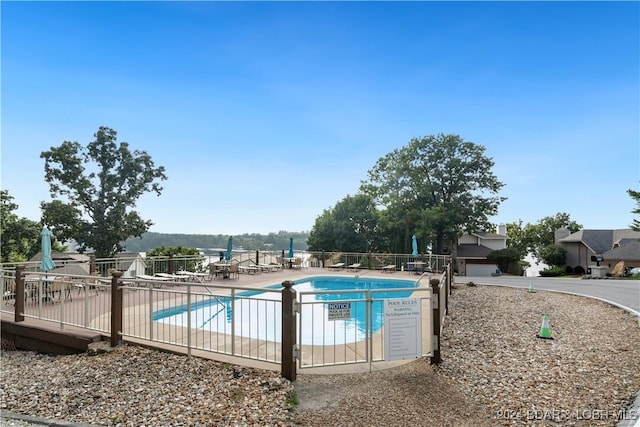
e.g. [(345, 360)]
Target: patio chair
[(234, 270), (63, 286), (214, 270), (337, 266)]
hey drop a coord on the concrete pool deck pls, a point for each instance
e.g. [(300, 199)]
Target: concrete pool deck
[(136, 310)]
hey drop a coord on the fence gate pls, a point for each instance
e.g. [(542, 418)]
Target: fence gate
[(362, 326)]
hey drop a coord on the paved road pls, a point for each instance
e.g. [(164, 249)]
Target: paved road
[(623, 293)]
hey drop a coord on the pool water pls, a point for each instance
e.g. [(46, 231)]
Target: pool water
[(258, 314)]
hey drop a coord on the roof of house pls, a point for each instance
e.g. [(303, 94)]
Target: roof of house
[(62, 256), (72, 269), (488, 235), (626, 249), (473, 251), (600, 241)]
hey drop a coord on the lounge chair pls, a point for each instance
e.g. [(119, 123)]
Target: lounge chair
[(337, 266), (249, 269), (391, 268), (193, 276), (270, 267), (157, 280), (171, 277), (355, 266)]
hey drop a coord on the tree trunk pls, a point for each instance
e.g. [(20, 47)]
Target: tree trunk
[(439, 242)]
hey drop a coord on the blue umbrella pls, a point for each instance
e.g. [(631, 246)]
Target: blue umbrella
[(227, 256), (47, 263), (290, 247), (414, 246)]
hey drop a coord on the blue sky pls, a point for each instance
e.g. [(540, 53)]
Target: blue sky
[(265, 114)]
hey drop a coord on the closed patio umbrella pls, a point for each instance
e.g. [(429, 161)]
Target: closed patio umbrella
[(47, 263), (290, 247), (227, 256), (414, 246)]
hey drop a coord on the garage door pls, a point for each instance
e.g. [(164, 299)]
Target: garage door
[(481, 270)]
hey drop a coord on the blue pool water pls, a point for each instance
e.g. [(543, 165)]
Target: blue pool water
[(257, 313)]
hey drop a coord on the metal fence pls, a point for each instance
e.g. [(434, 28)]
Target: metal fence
[(133, 265), (81, 301), (360, 336), (220, 319), (231, 320)]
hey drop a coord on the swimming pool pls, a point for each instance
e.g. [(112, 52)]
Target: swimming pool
[(257, 314)]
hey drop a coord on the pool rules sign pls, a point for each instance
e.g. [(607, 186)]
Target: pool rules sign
[(402, 329)]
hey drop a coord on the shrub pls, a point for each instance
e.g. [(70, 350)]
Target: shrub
[(578, 270), (568, 269), (552, 272)]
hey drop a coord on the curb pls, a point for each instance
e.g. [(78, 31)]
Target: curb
[(631, 416), (28, 419)]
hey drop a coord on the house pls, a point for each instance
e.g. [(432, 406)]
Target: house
[(473, 248), (130, 263), (600, 249), (66, 263)]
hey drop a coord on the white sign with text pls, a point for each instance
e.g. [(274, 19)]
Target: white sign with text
[(402, 329)]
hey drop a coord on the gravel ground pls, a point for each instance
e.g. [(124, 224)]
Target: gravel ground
[(495, 371)]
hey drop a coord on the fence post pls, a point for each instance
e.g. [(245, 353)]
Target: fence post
[(288, 361), (18, 315), (435, 301), (92, 264), (116, 308), (447, 277)]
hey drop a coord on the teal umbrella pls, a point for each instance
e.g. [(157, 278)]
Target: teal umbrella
[(414, 246), (290, 247), (227, 256), (47, 263)]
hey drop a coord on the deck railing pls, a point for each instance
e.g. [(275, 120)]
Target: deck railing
[(230, 320)]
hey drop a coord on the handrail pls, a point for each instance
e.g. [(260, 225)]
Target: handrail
[(419, 278)]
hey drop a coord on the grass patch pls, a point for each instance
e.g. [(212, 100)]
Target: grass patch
[(292, 400)]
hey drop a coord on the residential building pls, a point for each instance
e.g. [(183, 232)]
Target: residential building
[(473, 248), (600, 248)]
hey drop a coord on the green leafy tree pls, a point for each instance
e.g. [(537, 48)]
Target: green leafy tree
[(553, 255), (437, 187), (518, 238), (101, 184), (263, 242), (508, 260), (635, 195), (20, 237), (542, 234), (173, 250), (193, 263), (349, 226)]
